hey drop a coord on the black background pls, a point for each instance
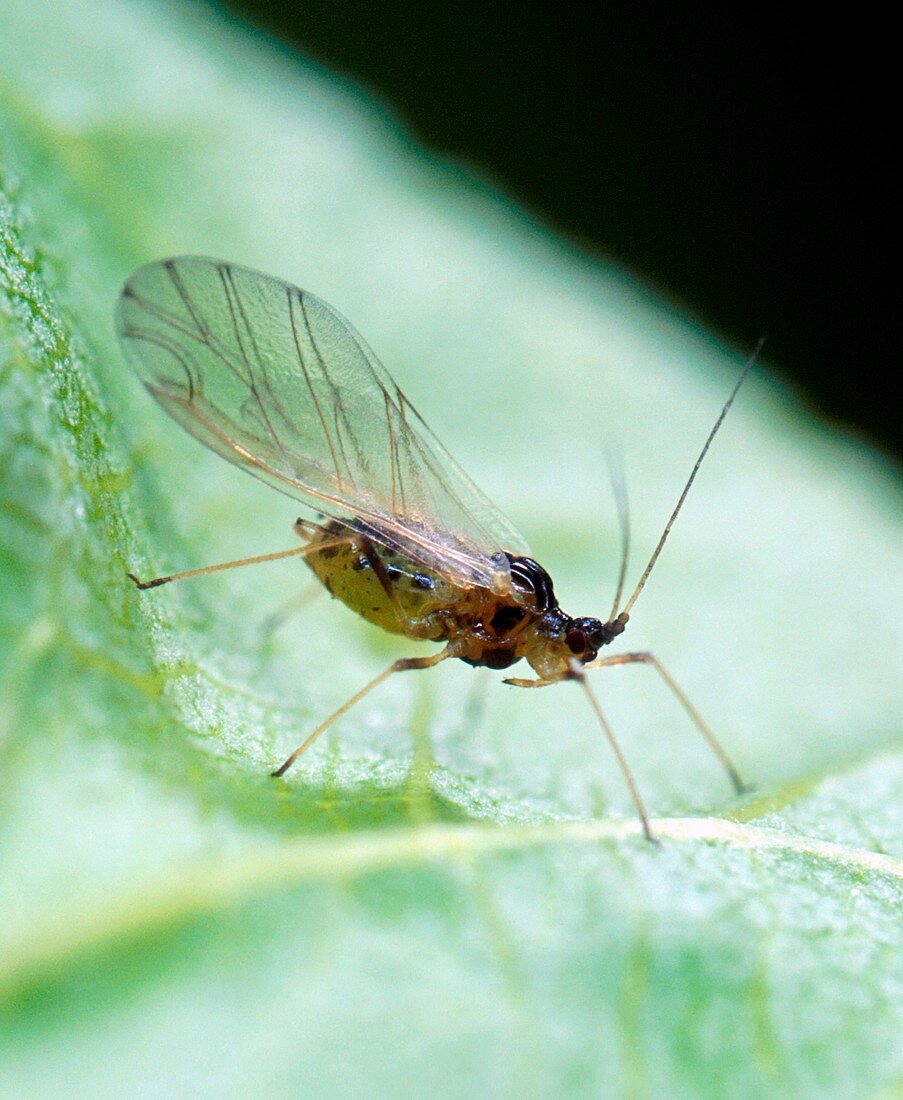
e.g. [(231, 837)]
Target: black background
[(737, 160)]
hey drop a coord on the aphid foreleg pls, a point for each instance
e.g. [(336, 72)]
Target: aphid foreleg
[(695, 716), (520, 682), (575, 672), (256, 560), (402, 665)]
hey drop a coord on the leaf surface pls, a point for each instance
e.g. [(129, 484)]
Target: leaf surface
[(448, 894)]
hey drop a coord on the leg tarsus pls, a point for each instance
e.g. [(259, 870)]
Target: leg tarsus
[(143, 585)]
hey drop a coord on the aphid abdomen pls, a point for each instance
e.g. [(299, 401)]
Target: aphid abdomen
[(383, 587)]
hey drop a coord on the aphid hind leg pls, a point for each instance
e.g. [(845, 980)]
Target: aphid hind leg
[(306, 528), (402, 665), (258, 559), (695, 717)]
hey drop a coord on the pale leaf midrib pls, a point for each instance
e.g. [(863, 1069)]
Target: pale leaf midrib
[(222, 883)]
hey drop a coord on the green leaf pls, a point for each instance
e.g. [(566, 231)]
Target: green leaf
[(448, 895)]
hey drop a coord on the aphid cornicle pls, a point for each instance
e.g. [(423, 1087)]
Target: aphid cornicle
[(277, 382)]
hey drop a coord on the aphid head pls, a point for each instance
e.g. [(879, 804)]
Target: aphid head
[(584, 637), (559, 640)]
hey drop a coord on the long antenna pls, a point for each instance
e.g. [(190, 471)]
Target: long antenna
[(683, 496), (619, 492)]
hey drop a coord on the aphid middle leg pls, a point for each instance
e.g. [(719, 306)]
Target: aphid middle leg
[(290, 607), (475, 700), (402, 665), (694, 715)]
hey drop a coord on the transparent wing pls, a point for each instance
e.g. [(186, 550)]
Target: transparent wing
[(277, 382)]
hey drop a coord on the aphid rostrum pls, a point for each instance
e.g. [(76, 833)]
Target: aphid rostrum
[(277, 382)]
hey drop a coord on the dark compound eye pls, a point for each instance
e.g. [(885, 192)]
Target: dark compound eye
[(593, 631), (575, 640)]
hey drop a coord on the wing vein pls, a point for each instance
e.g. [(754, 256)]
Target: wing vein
[(310, 385), (277, 382), (183, 294), (158, 341), (333, 389), (233, 304)]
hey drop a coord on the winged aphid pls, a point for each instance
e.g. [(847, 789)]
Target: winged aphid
[(279, 383)]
